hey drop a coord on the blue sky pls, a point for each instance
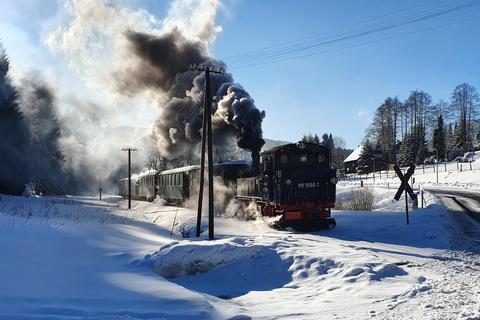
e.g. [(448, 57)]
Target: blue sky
[(333, 92), (338, 91)]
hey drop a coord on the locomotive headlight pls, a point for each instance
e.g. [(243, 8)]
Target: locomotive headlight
[(288, 182), (334, 180)]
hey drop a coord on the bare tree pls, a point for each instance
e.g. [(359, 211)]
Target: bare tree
[(464, 103)]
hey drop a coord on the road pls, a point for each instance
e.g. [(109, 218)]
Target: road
[(465, 205)]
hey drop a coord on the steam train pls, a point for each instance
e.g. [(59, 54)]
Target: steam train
[(293, 182), (177, 185)]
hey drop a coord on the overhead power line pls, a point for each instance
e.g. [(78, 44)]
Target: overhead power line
[(310, 45), (359, 44)]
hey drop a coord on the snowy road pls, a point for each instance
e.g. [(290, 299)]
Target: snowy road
[(465, 207)]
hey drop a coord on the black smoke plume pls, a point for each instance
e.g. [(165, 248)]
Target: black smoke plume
[(161, 64)]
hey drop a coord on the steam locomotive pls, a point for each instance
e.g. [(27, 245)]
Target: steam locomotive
[(296, 183), (293, 182)]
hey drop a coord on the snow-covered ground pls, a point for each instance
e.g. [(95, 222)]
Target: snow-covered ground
[(77, 258)]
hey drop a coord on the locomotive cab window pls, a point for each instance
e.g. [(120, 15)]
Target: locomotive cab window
[(321, 158), (284, 158), (303, 158)]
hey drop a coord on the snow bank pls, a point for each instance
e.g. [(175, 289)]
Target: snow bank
[(192, 257)]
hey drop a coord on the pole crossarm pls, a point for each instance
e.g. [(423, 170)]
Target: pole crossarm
[(207, 69)]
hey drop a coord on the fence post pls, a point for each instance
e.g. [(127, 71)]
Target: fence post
[(423, 169), (460, 167), (445, 166), (457, 164), (470, 165), (421, 194), (361, 183)]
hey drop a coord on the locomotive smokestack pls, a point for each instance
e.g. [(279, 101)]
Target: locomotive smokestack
[(255, 169)]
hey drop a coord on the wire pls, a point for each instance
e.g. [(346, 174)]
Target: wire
[(302, 49), (358, 44), (313, 36), (426, 14)]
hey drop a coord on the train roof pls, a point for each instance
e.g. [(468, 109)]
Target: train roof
[(140, 175), (185, 169), (197, 167), (235, 162), (145, 174), (295, 146), (181, 169)]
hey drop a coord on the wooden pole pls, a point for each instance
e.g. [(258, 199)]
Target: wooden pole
[(207, 136), (210, 157), (202, 168), (129, 179)]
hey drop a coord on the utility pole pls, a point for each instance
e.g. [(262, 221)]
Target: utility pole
[(100, 187), (206, 135), (129, 149), (374, 170)]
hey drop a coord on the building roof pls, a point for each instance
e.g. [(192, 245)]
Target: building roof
[(355, 155)]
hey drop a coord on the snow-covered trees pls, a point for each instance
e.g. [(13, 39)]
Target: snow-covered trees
[(29, 133), (38, 107), (14, 171)]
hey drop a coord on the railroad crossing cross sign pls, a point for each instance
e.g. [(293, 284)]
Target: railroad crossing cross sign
[(404, 180), (405, 186)]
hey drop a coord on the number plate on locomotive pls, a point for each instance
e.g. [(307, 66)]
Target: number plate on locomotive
[(305, 185)]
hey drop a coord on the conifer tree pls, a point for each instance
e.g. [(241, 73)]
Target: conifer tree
[(365, 161), (13, 135), (439, 136)]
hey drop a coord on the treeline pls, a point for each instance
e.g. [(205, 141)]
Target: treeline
[(417, 130), (334, 143), (29, 136)]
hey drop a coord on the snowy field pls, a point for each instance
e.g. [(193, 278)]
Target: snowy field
[(450, 174), (81, 258)]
